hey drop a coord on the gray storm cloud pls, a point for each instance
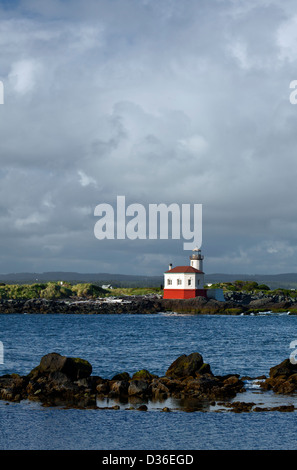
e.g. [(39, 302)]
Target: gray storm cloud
[(163, 102)]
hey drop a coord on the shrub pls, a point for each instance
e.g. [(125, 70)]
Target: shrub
[(88, 290), (263, 287)]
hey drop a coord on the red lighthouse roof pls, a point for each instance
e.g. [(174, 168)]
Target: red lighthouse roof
[(184, 269)]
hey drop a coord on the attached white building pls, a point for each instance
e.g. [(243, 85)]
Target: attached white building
[(185, 282)]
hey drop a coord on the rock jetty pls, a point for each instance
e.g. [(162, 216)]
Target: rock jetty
[(61, 380)]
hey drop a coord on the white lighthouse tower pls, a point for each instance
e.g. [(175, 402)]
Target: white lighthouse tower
[(197, 259)]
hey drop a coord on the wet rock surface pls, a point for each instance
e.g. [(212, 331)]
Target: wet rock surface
[(60, 379), (282, 378), (66, 381)]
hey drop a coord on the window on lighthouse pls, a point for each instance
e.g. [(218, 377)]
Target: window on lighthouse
[(189, 282), (169, 282), (179, 282)]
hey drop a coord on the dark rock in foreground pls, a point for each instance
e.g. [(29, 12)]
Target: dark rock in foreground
[(62, 380), (67, 381), (74, 368), (282, 378), (184, 366)]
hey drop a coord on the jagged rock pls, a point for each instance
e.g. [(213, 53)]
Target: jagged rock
[(74, 368), (138, 387), (282, 378), (211, 387), (12, 387), (159, 389), (119, 388), (143, 374), (258, 303), (240, 407), (142, 408), (285, 368), (282, 408), (185, 366), (121, 376), (53, 382), (103, 388)]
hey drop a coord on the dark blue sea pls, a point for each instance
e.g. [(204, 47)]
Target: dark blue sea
[(245, 345)]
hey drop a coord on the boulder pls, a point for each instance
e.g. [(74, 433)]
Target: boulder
[(138, 387), (73, 367), (282, 378), (143, 374), (103, 388), (59, 379), (121, 376), (200, 387), (159, 389), (185, 366), (77, 368), (142, 408), (118, 388), (52, 362), (285, 368)]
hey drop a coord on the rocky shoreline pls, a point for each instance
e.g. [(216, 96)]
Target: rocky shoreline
[(236, 303), (143, 304), (65, 381)]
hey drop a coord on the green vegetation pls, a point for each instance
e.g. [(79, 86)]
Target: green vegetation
[(143, 374), (136, 291), (65, 290), (51, 291), (233, 311), (252, 287)]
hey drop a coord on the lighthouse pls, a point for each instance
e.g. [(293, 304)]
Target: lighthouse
[(185, 282), (197, 259)]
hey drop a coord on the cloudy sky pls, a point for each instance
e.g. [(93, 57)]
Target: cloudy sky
[(160, 101)]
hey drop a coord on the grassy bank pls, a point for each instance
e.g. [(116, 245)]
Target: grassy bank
[(50, 291), (64, 290), (252, 287), (120, 291)]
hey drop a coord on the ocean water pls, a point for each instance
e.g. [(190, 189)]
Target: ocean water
[(246, 345)]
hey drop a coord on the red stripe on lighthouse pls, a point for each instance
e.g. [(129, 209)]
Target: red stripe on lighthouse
[(183, 293)]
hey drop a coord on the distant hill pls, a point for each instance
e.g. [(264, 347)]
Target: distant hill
[(274, 281), (117, 280)]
